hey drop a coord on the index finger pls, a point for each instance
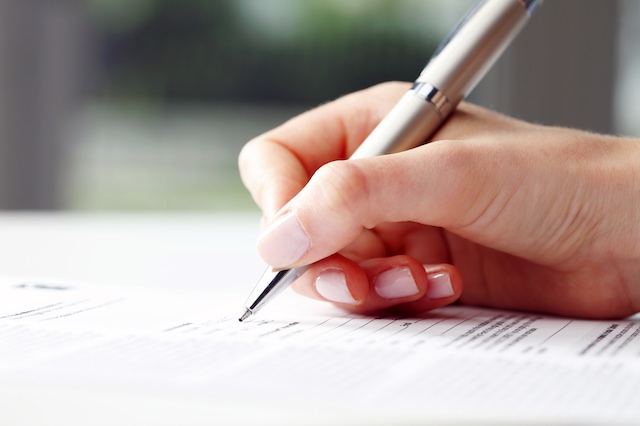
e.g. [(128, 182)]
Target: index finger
[(276, 165)]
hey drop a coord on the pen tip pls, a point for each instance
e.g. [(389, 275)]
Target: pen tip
[(247, 314)]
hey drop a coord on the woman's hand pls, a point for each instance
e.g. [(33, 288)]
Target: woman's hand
[(494, 212)]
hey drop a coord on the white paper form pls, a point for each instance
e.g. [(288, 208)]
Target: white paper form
[(458, 362)]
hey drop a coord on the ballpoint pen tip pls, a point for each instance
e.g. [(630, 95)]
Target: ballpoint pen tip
[(247, 314)]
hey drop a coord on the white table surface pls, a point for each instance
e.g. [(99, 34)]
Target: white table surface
[(172, 250)]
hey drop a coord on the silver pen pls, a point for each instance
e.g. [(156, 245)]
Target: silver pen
[(454, 69)]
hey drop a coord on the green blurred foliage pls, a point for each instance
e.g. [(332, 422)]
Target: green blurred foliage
[(199, 50)]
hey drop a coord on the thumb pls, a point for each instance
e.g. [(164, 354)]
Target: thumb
[(426, 185)]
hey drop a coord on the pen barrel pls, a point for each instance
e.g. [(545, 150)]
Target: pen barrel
[(474, 46), (407, 125), (454, 70)]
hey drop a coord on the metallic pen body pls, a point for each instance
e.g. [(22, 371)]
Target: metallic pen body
[(271, 284), (453, 71)]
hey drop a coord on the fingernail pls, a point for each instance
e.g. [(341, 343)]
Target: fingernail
[(439, 286), (332, 285), (395, 283), (283, 242)]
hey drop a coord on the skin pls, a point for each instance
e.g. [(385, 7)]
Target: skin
[(509, 214)]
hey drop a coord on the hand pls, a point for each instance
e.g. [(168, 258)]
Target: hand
[(493, 212)]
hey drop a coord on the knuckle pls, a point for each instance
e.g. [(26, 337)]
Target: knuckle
[(343, 187), (247, 154)]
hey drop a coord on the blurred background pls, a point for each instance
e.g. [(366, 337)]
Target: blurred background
[(144, 105)]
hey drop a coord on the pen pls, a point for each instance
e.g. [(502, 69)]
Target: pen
[(453, 70)]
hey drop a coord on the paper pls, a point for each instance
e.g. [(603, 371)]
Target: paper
[(460, 363)]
